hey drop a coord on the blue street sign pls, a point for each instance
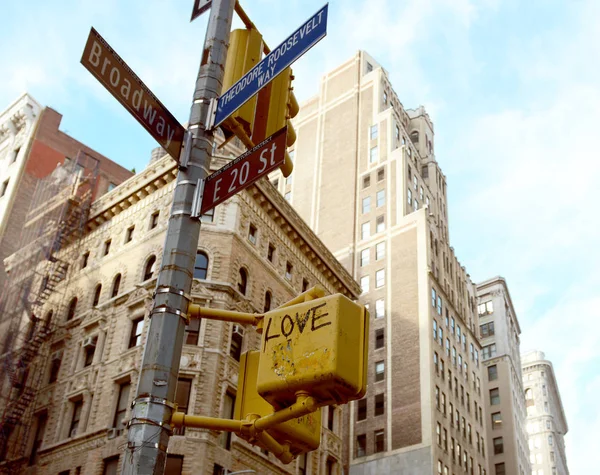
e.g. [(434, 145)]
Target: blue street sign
[(298, 43)]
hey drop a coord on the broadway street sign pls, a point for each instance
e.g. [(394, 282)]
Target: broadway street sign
[(108, 67), (244, 170), (298, 43)]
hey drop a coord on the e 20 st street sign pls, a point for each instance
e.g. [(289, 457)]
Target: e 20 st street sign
[(298, 43), (114, 74), (244, 170)]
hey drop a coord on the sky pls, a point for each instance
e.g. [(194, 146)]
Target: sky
[(513, 89)]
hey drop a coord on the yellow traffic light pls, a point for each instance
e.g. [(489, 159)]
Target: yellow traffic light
[(277, 104), (303, 434), (318, 346), (245, 51)]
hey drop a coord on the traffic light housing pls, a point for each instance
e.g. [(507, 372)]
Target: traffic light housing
[(277, 104), (318, 346), (245, 51), (303, 433)]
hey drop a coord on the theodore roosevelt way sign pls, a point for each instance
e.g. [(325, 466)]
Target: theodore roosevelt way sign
[(298, 43), (114, 74)]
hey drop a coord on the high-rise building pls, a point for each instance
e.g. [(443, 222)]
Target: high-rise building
[(546, 421), (367, 182), (499, 332), (71, 386)]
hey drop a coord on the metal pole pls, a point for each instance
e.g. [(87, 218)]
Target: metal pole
[(149, 429)]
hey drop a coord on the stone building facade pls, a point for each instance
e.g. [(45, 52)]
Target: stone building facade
[(546, 420), (254, 253), (367, 182), (499, 332)]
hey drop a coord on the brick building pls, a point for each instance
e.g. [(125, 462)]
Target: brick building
[(254, 254), (366, 180)]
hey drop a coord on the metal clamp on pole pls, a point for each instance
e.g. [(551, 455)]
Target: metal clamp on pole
[(184, 159), (197, 201), (212, 112)]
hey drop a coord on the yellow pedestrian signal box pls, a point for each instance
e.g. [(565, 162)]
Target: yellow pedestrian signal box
[(303, 433), (319, 346)]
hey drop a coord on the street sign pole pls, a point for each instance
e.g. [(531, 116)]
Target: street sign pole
[(150, 424)]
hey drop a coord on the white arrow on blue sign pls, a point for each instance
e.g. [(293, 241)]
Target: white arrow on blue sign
[(298, 43)]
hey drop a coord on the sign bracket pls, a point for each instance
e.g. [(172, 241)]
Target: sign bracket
[(187, 150), (197, 200), (212, 112)]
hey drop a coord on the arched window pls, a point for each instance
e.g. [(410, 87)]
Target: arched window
[(150, 267), (268, 298), (72, 308), (116, 285), (201, 265), (414, 136), (243, 281), (97, 293)]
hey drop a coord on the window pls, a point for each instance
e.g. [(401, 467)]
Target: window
[(380, 174), (379, 441), (498, 446), (409, 197), (305, 285), (488, 351), (415, 205), (330, 417), (487, 329), (116, 285), (365, 230), (182, 399), (192, 332), (362, 410), (366, 181), (129, 234), (149, 268), (111, 466), (364, 257), (75, 418), (435, 327), (174, 464), (421, 194), (271, 253), (380, 227), (200, 265), (107, 244), (439, 305), (452, 326), (379, 339), (379, 278), (4, 188), (288, 196), (89, 349), (252, 232), (379, 404), (492, 372), (361, 445), (438, 433), (454, 355), (41, 420), (237, 337), (373, 155), (366, 204), (415, 182), (84, 260), (380, 251), (121, 409), (373, 132), (72, 308), (379, 308), (302, 463), (485, 308), (397, 132), (379, 371), (135, 337), (55, 361), (496, 420), (268, 300), (288, 270), (154, 219), (380, 198), (364, 283), (227, 413), (209, 216), (385, 97), (97, 292), (494, 396), (369, 67), (242, 281), (550, 440)]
